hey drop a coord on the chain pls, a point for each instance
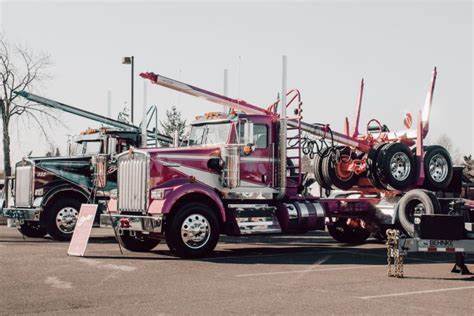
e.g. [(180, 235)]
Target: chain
[(393, 253), (389, 254)]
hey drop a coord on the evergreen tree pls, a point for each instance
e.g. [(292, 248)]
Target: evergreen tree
[(173, 122)]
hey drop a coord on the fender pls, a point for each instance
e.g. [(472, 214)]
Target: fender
[(178, 192), (61, 188)]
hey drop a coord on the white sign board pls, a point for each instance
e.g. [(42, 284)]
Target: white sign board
[(82, 231)]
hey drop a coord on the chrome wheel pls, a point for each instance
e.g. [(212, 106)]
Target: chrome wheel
[(438, 167), (400, 166), (66, 219), (195, 231)]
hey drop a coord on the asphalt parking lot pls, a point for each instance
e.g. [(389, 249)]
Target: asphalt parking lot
[(305, 274)]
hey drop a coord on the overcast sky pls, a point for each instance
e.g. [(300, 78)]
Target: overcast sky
[(330, 46)]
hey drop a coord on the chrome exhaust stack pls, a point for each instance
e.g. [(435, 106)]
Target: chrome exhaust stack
[(282, 136)]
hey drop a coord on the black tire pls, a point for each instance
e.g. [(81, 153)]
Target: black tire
[(138, 243), (33, 229), (318, 169), (330, 173), (196, 214), (417, 200), (439, 174), (342, 232), (62, 229), (397, 180), (372, 166)]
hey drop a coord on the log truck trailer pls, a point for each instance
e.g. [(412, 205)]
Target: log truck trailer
[(48, 191), (240, 173)]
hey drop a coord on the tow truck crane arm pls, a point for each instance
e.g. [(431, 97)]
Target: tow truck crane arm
[(88, 115), (203, 94), (317, 130)]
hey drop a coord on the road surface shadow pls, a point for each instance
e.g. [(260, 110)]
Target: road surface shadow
[(466, 279)]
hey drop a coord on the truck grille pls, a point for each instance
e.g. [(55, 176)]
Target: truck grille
[(132, 182), (24, 186)]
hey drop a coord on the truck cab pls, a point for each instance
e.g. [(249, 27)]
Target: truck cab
[(222, 179), (47, 192)]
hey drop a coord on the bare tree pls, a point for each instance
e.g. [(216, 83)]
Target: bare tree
[(20, 69), (468, 167), (445, 141)]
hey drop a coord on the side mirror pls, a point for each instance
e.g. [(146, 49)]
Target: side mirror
[(248, 133)]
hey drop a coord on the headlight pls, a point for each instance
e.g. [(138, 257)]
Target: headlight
[(114, 194), (39, 192), (157, 194)]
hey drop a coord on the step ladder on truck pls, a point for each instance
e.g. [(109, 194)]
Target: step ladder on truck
[(239, 173)]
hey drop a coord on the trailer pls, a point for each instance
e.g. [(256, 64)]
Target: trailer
[(239, 173), (47, 192), (435, 233)]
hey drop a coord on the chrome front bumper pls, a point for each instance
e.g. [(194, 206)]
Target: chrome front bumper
[(138, 223), (22, 214)]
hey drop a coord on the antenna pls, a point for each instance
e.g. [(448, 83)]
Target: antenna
[(226, 86), (238, 79), (109, 104), (143, 124)]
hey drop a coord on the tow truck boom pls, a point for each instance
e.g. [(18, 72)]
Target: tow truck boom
[(89, 115)]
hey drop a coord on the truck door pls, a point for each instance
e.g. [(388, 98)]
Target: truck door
[(256, 167)]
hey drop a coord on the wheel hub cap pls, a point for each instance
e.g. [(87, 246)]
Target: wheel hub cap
[(66, 219), (195, 231), (400, 166), (438, 167)]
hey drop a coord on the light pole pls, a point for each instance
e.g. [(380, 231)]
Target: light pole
[(129, 61)]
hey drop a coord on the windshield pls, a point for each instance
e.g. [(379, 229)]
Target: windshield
[(209, 134), (91, 148)]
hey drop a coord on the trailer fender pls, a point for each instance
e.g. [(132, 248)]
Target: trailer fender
[(188, 192)]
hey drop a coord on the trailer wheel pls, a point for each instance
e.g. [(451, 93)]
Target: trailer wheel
[(395, 166), (33, 229), (438, 168), (341, 230), (334, 172), (138, 243), (372, 166), (416, 202), (61, 218), (193, 231)]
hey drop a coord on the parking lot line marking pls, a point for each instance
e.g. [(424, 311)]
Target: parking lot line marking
[(417, 292), (303, 271)]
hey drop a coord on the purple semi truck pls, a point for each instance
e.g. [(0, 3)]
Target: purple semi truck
[(239, 173)]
